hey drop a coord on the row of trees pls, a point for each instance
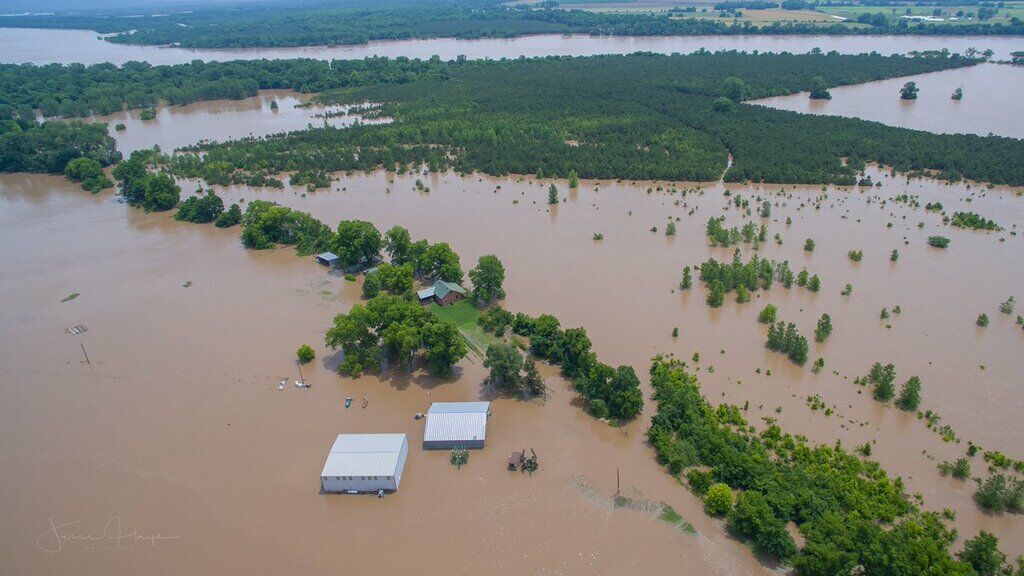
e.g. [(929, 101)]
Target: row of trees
[(511, 372), (783, 337), (853, 518), (744, 278), (610, 392), (883, 378)]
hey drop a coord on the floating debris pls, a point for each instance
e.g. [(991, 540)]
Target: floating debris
[(70, 297), (76, 329)]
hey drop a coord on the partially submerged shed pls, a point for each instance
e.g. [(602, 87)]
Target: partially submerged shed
[(451, 424), (365, 463), (329, 259)]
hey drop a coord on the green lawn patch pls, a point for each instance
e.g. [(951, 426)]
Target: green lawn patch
[(465, 316)]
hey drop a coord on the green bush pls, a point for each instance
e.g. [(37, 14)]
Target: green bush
[(305, 354), (718, 501), (700, 481)]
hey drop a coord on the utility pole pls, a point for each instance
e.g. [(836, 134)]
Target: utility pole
[(301, 379), (618, 486), (84, 354)]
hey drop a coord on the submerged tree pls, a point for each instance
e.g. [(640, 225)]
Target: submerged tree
[(504, 362), (909, 91), (488, 278), (824, 328), (819, 89), (552, 194), (910, 394)]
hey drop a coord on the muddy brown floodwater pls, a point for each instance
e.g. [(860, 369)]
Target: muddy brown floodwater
[(177, 126), (47, 46), (991, 102), (176, 429)]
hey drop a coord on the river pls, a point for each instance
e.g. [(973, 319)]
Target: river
[(45, 46)]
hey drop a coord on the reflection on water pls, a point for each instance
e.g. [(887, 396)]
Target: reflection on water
[(47, 46), (991, 102)]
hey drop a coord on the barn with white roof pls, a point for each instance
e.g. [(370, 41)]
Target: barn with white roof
[(365, 463), (451, 424)]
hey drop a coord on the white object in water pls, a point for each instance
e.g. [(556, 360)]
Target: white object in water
[(299, 384)]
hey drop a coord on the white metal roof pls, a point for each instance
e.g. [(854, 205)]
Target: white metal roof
[(364, 455), (456, 422), (452, 407), (425, 293)]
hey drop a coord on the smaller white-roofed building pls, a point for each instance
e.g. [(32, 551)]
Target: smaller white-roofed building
[(365, 463), (451, 424)]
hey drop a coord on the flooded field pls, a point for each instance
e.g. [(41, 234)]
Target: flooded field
[(47, 46), (176, 428), (177, 126), (991, 102)]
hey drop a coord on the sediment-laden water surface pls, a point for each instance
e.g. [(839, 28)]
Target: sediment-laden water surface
[(177, 126), (176, 428), (991, 103), (45, 46)]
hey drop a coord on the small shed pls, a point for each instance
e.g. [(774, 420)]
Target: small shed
[(426, 295), (329, 259), (451, 424), (365, 463)]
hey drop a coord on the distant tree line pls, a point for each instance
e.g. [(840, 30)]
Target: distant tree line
[(359, 22)]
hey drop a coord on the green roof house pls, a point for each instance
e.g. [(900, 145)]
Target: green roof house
[(444, 293)]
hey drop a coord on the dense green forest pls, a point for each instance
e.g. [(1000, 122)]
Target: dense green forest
[(853, 518), (314, 23), (641, 116), (28, 146), (75, 90)]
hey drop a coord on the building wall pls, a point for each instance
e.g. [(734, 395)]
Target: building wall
[(401, 462), (449, 444), (357, 483), (450, 298)]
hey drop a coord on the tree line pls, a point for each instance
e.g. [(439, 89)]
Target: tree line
[(359, 22)]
